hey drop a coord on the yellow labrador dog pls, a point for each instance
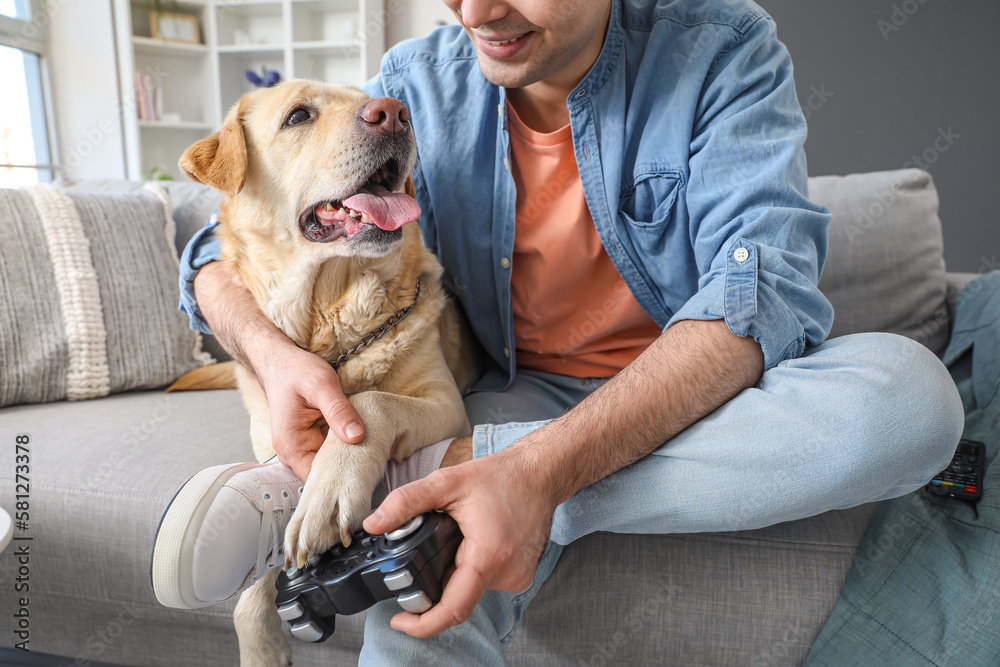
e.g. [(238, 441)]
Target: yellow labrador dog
[(314, 216)]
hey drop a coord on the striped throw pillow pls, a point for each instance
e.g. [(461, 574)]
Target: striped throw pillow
[(88, 296)]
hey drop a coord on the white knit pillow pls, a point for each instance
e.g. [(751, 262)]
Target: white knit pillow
[(88, 296)]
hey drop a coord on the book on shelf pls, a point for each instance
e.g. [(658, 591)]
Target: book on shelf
[(148, 97)]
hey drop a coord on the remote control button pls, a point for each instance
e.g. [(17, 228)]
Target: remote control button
[(307, 632), (416, 602), (291, 611), (406, 529), (397, 581)]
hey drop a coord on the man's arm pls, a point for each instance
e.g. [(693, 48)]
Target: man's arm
[(235, 319), (505, 502), (303, 391), (692, 369)]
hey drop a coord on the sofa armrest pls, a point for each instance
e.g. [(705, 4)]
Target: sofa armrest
[(956, 283)]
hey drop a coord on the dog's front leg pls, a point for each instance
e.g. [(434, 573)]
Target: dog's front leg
[(262, 638), (255, 402), (337, 495)]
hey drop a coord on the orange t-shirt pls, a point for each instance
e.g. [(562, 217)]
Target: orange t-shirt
[(573, 313)]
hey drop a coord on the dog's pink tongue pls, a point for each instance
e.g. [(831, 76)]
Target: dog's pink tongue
[(388, 210)]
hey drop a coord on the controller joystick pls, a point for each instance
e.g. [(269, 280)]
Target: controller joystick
[(407, 564)]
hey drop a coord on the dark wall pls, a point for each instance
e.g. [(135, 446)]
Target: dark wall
[(885, 84)]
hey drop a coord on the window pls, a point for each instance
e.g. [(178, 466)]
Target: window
[(24, 143), (17, 9), (25, 157)]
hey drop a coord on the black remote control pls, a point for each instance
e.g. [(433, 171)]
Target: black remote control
[(963, 478), (407, 564)]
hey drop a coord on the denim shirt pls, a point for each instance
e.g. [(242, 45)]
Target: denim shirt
[(689, 141)]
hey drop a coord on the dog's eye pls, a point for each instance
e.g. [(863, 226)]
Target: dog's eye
[(297, 116)]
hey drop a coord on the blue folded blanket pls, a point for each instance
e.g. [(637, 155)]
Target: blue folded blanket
[(925, 585)]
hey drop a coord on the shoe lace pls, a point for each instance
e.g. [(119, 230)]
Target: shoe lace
[(271, 547)]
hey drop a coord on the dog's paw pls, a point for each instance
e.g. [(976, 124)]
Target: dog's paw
[(336, 499)]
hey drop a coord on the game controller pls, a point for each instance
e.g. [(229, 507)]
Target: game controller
[(407, 564)]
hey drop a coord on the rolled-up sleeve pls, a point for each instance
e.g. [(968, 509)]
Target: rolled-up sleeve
[(759, 242), (200, 250)]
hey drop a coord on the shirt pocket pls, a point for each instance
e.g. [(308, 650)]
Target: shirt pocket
[(649, 201)]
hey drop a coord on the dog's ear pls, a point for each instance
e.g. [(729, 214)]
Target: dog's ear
[(411, 189), (221, 159)]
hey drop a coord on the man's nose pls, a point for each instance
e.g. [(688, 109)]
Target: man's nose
[(386, 115), (475, 13)]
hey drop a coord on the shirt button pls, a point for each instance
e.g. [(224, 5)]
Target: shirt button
[(741, 255), (505, 263), (506, 163), (506, 352)]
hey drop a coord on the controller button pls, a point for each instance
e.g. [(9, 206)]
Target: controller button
[(290, 611), (416, 602), (307, 632), (406, 529), (397, 581)]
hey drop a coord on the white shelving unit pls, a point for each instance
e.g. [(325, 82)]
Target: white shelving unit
[(336, 41)]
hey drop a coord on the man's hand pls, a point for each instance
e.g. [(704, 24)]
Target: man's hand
[(304, 396), (505, 520), (303, 391)]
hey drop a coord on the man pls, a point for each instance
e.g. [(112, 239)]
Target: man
[(617, 190)]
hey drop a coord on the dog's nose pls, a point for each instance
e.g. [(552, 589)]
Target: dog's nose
[(387, 115)]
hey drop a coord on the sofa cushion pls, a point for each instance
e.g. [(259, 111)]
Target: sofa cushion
[(89, 301), (193, 204), (102, 474), (743, 598), (885, 267), (104, 471)]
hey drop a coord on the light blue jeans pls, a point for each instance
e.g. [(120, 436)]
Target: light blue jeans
[(857, 419)]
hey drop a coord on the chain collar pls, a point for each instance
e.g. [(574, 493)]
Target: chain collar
[(380, 331)]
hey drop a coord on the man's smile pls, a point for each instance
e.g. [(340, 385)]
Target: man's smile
[(503, 46)]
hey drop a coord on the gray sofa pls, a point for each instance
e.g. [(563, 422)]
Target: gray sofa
[(104, 470)]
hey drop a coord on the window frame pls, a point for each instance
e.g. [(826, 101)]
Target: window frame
[(32, 35)]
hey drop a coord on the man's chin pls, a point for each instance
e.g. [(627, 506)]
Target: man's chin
[(507, 75)]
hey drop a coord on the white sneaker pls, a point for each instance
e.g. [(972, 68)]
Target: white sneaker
[(223, 531), (225, 528)]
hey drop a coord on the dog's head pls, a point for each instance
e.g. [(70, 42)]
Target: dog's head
[(325, 164)]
